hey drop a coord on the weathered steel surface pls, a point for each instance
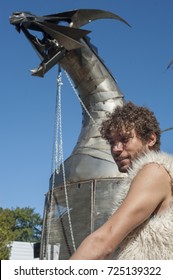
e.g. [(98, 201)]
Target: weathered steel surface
[(91, 203), (91, 174)]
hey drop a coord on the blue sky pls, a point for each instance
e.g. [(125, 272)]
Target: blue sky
[(137, 57)]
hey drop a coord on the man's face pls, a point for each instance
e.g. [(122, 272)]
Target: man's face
[(125, 147)]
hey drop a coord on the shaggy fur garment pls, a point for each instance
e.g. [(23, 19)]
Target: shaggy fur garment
[(153, 239)]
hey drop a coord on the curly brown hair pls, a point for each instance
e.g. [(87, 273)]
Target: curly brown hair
[(128, 117)]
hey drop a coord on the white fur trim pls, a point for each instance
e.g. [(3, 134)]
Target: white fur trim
[(154, 238)]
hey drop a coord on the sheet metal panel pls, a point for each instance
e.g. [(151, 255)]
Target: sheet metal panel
[(90, 205)]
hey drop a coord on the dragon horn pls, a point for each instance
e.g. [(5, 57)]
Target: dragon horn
[(83, 16)]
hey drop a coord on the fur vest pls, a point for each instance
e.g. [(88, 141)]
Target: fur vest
[(153, 239)]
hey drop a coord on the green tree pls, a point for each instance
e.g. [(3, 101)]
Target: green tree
[(7, 222), (28, 225), (19, 224)]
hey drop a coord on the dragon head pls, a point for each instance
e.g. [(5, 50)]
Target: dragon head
[(56, 39)]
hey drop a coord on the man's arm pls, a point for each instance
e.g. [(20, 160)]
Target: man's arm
[(149, 189)]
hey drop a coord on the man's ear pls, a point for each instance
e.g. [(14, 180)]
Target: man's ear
[(152, 140)]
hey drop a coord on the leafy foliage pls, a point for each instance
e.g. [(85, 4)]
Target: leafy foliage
[(7, 222), (19, 224)]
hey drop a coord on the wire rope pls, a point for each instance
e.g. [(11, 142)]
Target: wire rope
[(58, 159), (80, 100)]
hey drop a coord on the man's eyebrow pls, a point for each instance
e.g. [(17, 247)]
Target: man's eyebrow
[(126, 134)]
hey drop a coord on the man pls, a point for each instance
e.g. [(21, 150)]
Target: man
[(141, 226)]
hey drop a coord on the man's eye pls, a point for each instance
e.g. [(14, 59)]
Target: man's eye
[(125, 139)]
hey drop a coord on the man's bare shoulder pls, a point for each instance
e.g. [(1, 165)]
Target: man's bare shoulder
[(153, 170)]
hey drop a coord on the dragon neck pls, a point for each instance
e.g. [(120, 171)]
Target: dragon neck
[(96, 86), (99, 93)]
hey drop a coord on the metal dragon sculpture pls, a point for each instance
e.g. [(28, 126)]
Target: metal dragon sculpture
[(75, 210)]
